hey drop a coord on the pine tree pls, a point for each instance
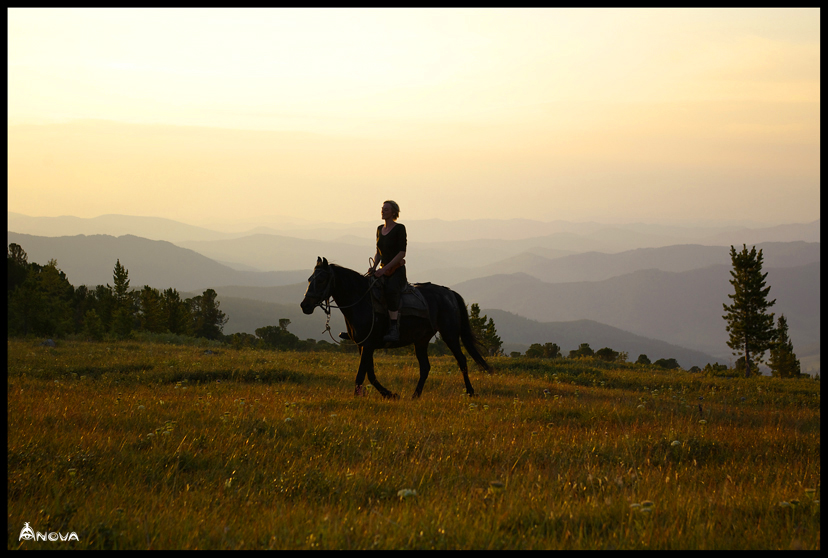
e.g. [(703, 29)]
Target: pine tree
[(123, 312), (750, 327), (209, 321), (176, 312), (152, 311), (783, 361), (485, 332), (491, 340)]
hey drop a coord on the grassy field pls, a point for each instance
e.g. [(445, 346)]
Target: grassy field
[(157, 446)]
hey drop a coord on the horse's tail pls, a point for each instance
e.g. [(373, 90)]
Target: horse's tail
[(471, 342)]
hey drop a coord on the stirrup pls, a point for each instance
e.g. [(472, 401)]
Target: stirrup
[(344, 336)]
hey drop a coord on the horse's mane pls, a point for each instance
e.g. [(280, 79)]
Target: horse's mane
[(353, 277)]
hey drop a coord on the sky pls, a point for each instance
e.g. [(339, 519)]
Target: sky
[(233, 115)]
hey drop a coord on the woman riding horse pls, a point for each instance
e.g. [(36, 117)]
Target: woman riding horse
[(391, 245)]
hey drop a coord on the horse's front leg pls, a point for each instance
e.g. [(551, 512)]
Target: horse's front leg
[(366, 362), (366, 366), (421, 350)]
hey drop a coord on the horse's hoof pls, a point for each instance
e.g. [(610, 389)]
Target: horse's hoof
[(390, 395), (416, 395)]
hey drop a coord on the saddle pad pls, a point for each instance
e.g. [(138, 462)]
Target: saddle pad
[(412, 303)]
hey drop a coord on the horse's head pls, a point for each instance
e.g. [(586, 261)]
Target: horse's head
[(320, 286)]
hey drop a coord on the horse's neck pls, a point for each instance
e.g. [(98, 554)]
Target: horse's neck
[(349, 285)]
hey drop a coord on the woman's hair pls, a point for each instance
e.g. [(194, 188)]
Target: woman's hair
[(394, 206)]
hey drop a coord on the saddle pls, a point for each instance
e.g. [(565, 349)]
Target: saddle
[(412, 302)]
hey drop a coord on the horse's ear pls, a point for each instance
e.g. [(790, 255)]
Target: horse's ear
[(318, 260), (324, 261)]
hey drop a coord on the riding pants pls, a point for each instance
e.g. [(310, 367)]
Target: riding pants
[(393, 286)]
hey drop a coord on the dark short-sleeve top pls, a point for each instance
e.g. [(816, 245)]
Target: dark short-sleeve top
[(391, 244)]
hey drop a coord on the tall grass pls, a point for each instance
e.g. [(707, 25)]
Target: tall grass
[(141, 445)]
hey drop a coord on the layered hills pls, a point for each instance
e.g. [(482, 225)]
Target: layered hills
[(541, 282)]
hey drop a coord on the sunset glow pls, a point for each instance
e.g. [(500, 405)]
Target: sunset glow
[(615, 115)]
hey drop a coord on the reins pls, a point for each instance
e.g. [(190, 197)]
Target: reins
[(326, 306)]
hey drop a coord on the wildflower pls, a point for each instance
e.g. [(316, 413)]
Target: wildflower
[(406, 493), (702, 421), (646, 504), (288, 419), (485, 406), (675, 443), (635, 507), (72, 472), (784, 504), (811, 492)]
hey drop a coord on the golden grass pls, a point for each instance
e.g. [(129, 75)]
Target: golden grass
[(154, 446)]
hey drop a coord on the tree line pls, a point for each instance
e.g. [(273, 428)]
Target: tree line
[(43, 303)]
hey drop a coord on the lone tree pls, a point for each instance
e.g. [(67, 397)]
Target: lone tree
[(783, 361), (750, 327)]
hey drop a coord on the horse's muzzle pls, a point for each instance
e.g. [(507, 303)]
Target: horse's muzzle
[(308, 305)]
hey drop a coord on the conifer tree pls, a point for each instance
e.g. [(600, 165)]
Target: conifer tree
[(485, 332), (122, 316), (750, 327), (783, 361)]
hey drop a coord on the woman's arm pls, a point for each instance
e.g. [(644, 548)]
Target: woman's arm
[(373, 268), (391, 265)]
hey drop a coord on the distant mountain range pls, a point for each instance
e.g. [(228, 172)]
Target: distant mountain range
[(682, 308), (89, 260), (565, 273), (568, 236), (516, 332)]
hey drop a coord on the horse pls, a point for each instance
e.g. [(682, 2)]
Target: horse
[(350, 291)]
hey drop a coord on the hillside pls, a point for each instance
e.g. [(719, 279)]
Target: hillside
[(677, 305), (680, 308), (517, 333), (553, 266), (89, 260)]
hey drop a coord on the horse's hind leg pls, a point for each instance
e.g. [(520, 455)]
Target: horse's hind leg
[(421, 350), (453, 343)]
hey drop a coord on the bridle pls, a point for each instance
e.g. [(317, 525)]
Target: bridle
[(325, 304)]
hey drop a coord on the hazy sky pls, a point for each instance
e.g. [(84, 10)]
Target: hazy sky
[(614, 115)]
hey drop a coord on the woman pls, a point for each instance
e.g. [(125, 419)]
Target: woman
[(391, 245)]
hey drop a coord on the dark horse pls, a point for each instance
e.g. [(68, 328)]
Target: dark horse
[(350, 292)]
